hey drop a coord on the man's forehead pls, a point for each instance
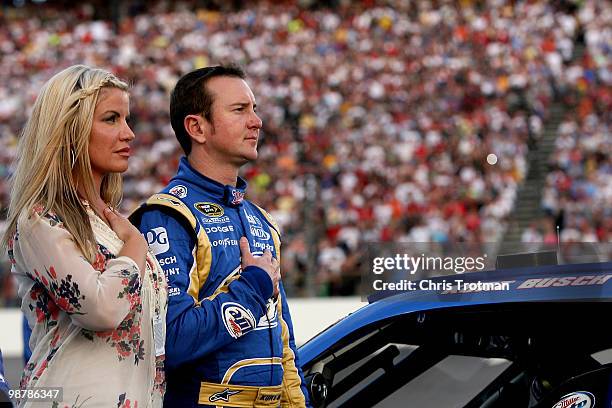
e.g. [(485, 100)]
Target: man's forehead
[(230, 89)]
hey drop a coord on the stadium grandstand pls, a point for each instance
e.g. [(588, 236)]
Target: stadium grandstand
[(378, 116)]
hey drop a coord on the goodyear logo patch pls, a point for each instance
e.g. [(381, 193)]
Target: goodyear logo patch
[(237, 319), (209, 209)]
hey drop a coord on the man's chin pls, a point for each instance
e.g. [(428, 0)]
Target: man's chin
[(246, 158), (251, 156)]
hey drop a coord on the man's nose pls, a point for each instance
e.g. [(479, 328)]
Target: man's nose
[(255, 121)]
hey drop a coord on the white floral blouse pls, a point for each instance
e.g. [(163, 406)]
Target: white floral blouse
[(71, 305)]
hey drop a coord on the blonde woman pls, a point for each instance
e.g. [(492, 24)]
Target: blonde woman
[(93, 295)]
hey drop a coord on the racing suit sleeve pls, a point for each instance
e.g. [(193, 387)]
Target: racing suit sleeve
[(294, 393), (195, 329)]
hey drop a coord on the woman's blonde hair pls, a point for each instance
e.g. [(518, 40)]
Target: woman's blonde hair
[(53, 156)]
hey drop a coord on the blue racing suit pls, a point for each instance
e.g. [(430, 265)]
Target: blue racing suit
[(228, 342)]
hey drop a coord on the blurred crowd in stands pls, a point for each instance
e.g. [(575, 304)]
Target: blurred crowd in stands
[(378, 118), (578, 192)]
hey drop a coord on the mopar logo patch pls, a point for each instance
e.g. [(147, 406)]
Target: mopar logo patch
[(238, 320), (180, 191), (210, 209), (223, 395), (578, 399)]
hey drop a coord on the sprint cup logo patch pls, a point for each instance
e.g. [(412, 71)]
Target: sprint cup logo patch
[(210, 209), (578, 399), (180, 191), (237, 319)]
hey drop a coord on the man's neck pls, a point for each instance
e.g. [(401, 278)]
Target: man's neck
[(224, 173)]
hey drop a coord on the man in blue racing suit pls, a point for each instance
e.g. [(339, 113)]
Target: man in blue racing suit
[(229, 335)]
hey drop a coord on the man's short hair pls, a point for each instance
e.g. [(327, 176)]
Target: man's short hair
[(191, 97)]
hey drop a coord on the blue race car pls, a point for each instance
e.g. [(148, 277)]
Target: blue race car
[(542, 343)]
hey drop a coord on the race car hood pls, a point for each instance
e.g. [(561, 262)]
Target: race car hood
[(577, 282)]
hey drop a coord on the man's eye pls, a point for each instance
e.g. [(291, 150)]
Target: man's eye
[(239, 109)]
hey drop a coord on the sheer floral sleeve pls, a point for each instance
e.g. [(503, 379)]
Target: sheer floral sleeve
[(95, 299)]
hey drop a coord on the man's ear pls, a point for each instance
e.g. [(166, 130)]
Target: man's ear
[(197, 127)]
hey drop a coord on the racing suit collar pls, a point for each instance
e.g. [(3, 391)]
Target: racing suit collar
[(228, 194)]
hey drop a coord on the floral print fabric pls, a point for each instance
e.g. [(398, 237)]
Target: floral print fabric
[(92, 324)]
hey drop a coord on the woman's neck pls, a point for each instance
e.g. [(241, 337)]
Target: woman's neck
[(96, 202)]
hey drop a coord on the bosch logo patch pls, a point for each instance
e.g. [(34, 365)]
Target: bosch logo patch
[(180, 191), (578, 399), (167, 261), (237, 319), (209, 209)]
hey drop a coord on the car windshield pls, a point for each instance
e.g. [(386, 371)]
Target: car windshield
[(476, 356), (452, 382)]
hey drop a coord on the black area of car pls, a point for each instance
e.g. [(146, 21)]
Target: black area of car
[(546, 350)]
